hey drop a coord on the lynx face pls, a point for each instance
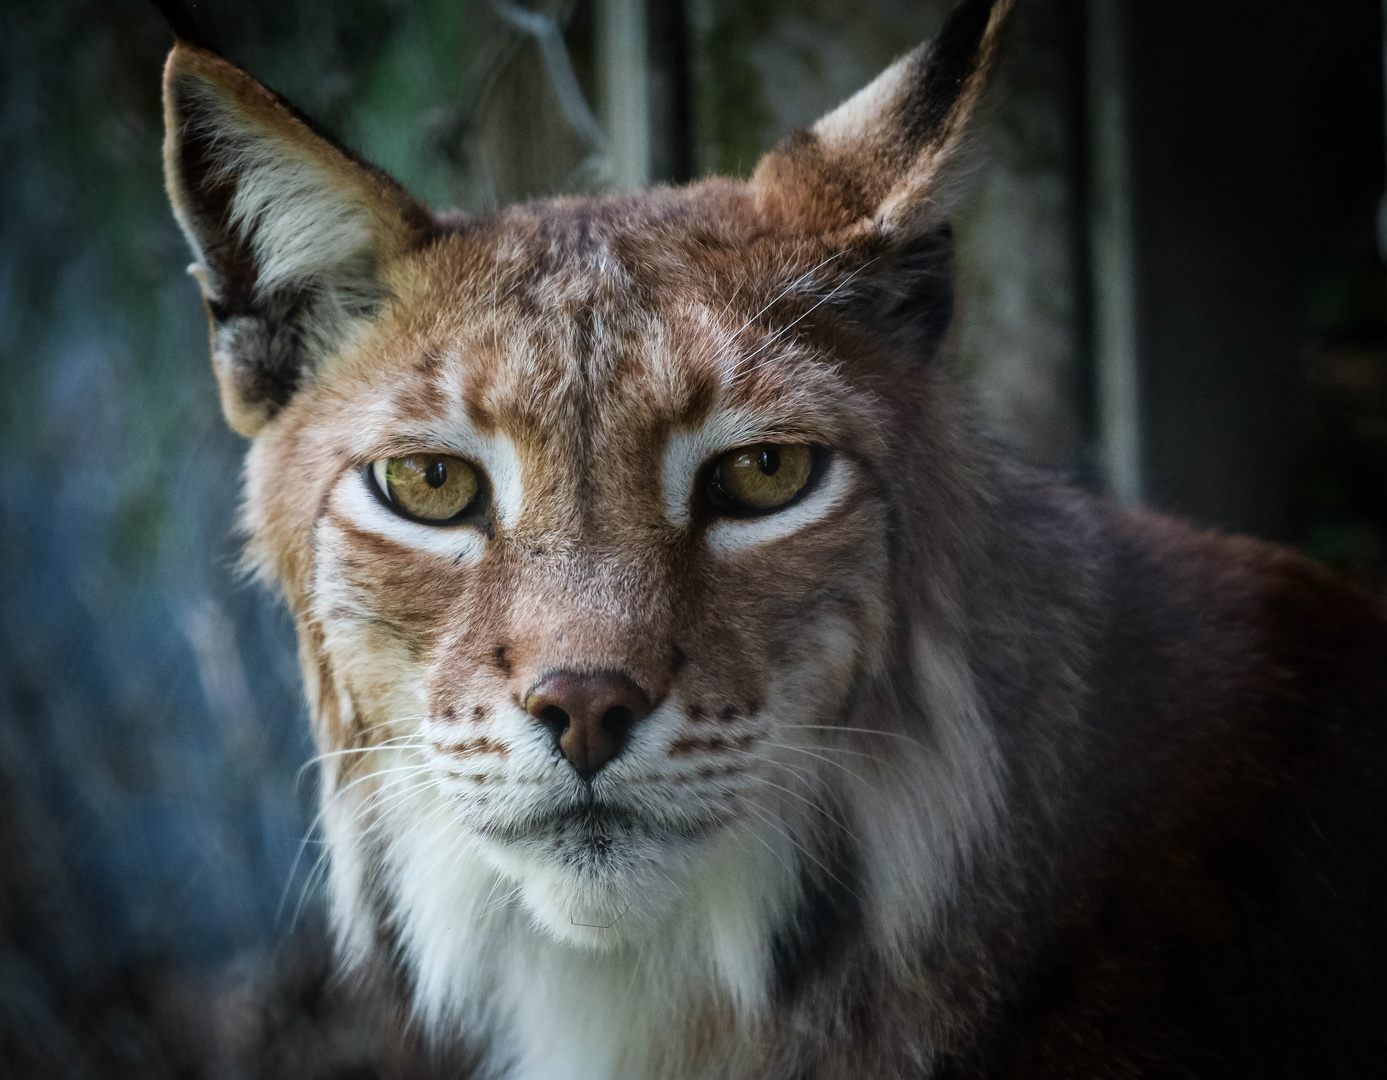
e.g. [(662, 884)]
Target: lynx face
[(622, 539), (599, 413)]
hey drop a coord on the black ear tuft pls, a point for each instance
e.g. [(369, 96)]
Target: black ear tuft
[(184, 23), (889, 160), (951, 60)]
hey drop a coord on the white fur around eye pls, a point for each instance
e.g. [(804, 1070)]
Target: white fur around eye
[(452, 432), (732, 534), (687, 451), (355, 501)]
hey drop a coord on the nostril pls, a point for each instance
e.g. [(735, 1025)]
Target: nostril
[(618, 720), (555, 719), (589, 714)]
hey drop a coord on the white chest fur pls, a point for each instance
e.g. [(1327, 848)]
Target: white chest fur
[(680, 1000)]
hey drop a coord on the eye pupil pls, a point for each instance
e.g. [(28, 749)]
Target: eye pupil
[(759, 478), (436, 474)]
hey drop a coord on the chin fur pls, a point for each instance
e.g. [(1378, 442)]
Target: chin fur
[(589, 972)]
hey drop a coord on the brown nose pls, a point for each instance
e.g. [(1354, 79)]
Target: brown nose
[(589, 714)]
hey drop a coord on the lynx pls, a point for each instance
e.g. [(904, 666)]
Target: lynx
[(701, 695)]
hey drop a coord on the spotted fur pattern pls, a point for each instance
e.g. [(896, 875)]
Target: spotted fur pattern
[(951, 771)]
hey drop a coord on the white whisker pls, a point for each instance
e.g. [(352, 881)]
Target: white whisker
[(855, 730), (740, 373), (777, 824), (827, 761), (785, 292)]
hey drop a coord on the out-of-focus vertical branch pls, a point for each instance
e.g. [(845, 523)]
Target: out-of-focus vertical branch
[(1382, 206), (548, 35), (1110, 233), (625, 77)]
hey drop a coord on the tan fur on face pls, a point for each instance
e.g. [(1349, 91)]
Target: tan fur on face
[(593, 558)]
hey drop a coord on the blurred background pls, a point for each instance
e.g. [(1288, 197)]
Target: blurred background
[(1172, 290)]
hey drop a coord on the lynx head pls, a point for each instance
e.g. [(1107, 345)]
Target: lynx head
[(620, 534)]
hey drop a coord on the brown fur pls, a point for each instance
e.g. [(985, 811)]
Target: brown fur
[(1052, 789)]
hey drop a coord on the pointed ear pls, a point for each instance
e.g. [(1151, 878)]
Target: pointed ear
[(889, 161), (289, 231)]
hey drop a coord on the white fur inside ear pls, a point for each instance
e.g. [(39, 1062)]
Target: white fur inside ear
[(862, 114), (304, 223), (300, 223)]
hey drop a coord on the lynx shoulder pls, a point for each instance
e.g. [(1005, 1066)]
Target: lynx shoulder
[(701, 696)]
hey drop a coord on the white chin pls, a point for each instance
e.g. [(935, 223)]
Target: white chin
[(597, 911)]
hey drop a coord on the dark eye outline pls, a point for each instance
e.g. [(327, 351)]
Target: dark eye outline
[(476, 514), (716, 502)]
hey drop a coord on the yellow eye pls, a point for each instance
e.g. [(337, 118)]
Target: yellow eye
[(759, 478), (430, 487)]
